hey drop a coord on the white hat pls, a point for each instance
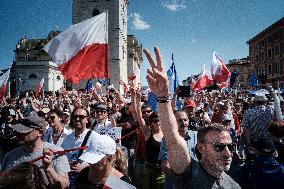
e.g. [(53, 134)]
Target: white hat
[(98, 149), (260, 96)]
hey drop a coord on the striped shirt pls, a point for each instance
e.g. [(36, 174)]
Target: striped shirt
[(256, 121)]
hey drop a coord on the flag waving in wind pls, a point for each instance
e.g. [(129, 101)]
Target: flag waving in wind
[(172, 77), (203, 80), (219, 70), (4, 76), (39, 86), (81, 50)]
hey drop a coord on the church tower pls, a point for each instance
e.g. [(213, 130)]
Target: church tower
[(117, 32)]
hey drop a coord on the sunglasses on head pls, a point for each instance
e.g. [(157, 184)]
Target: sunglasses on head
[(79, 116), (147, 111), (219, 147)]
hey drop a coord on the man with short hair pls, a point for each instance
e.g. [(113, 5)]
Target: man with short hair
[(214, 142), (101, 118), (189, 107), (189, 136), (53, 167), (80, 121), (256, 120)]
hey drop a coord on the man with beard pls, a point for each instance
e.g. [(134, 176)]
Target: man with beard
[(213, 142), (54, 168), (80, 121)]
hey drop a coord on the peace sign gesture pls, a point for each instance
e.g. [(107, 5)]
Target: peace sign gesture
[(156, 77)]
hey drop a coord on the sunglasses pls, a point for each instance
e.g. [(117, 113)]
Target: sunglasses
[(219, 147), (155, 121), (79, 116), (51, 117), (147, 111), (100, 111)]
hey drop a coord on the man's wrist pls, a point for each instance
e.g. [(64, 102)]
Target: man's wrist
[(163, 99)]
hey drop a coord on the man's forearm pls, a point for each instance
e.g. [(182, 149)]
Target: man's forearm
[(56, 181), (179, 157)]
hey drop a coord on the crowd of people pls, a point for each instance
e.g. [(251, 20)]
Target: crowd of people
[(216, 139)]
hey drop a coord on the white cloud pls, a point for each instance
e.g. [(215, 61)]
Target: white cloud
[(174, 5), (138, 22)]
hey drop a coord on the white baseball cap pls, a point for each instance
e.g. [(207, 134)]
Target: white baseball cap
[(98, 149)]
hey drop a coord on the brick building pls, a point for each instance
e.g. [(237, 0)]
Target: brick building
[(242, 66), (266, 53)]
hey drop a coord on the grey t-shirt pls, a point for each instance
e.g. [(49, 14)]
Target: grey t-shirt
[(195, 177), (18, 156)]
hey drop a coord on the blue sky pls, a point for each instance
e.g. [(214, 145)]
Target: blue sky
[(191, 29)]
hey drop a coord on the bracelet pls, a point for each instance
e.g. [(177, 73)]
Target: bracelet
[(163, 99)]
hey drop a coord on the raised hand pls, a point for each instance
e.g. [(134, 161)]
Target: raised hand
[(156, 77)]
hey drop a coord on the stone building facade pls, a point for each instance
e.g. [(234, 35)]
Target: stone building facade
[(124, 52), (266, 53), (134, 58), (242, 66), (31, 64)]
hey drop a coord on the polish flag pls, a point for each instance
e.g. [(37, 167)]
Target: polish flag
[(39, 86), (225, 84), (3, 82), (115, 183), (219, 70), (192, 82), (81, 51), (203, 80)]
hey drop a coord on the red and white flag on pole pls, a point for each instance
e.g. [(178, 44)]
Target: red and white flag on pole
[(115, 183), (220, 72), (81, 51), (3, 82), (39, 86), (203, 80)]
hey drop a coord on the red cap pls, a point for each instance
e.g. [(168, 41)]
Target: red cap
[(189, 103)]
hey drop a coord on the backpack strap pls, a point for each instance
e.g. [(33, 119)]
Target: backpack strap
[(84, 142)]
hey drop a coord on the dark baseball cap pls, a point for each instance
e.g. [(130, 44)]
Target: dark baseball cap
[(264, 145), (29, 124)]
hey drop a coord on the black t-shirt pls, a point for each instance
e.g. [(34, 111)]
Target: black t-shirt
[(83, 183), (196, 177)]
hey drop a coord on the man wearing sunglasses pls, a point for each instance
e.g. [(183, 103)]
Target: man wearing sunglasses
[(213, 142), (101, 118)]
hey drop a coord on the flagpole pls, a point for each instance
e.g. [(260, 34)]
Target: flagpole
[(9, 89), (43, 88)]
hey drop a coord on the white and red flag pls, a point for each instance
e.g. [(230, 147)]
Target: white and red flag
[(115, 183), (203, 80), (220, 72), (39, 86), (3, 82), (81, 51)]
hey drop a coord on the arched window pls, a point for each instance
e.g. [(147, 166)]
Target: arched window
[(96, 12), (32, 76)]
